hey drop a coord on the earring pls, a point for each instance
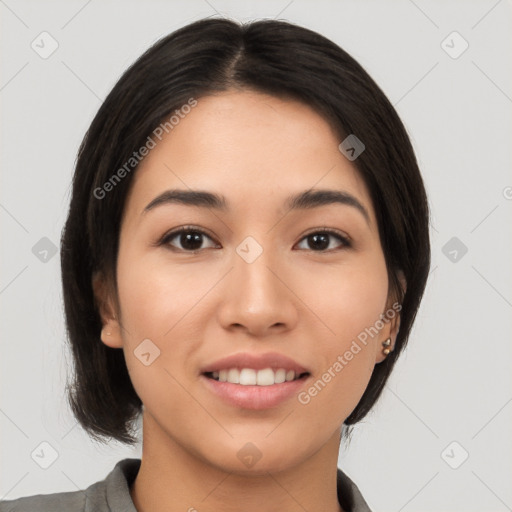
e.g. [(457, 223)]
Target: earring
[(386, 350)]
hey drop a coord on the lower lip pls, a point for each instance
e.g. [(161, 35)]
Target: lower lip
[(254, 397)]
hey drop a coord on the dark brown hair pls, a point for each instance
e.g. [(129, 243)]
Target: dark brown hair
[(200, 59)]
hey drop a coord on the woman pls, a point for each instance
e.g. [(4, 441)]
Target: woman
[(245, 252)]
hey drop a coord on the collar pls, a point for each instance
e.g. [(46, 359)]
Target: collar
[(115, 490)]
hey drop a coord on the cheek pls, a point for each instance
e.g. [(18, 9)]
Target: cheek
[(348, 302), (160, 302), (334, 394), (346, 298), (157, 304), (155, 296)]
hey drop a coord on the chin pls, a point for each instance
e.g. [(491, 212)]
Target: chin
[(257, 459)]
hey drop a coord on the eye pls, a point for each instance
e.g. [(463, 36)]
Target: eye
[(190, 239), (320, 241)]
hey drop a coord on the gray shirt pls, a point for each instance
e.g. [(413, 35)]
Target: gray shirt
[(113, 495)]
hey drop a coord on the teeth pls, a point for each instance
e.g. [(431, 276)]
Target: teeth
[(265, 377), (280, 376), (250, 377), (233, 376)]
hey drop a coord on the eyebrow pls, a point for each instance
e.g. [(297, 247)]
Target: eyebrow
[(305, 200)]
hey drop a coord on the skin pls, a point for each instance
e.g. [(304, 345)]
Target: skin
[(197, 307)]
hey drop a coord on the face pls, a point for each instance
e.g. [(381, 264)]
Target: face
[(294, 288)]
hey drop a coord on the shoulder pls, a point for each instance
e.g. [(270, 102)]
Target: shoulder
[(60, 501), (349, 495), (110, 495)]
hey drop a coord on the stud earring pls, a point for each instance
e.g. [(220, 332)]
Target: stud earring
[(108, 333), (386, 344)]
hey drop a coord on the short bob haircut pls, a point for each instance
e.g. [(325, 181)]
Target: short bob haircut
[(201, 59)]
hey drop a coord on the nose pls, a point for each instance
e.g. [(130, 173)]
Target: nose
[(257, 298)]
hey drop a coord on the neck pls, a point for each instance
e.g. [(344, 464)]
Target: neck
[(173, 479)]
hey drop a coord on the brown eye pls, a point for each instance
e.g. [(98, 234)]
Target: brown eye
[(187, 239), (320, 241)]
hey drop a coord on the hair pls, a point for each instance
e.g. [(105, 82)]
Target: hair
[(205, 58)]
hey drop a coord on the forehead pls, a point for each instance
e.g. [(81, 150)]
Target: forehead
[(249, 147)]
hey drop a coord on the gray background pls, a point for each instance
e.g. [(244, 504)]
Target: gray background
[(453, 384)]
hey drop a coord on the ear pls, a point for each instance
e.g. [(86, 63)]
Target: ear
[(111, 327), (391, 320)]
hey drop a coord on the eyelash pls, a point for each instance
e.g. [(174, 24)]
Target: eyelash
[(165, 240)]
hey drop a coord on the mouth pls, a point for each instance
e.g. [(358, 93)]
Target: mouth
[(252, 377), (251, 389), (256, 381)]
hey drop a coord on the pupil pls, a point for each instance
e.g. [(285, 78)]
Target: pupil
[(189, 239), (192, 241), (323, 240)]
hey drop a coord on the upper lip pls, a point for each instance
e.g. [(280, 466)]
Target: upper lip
[(256, 361)]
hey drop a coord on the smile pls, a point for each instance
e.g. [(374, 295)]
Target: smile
[(252, 377)]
